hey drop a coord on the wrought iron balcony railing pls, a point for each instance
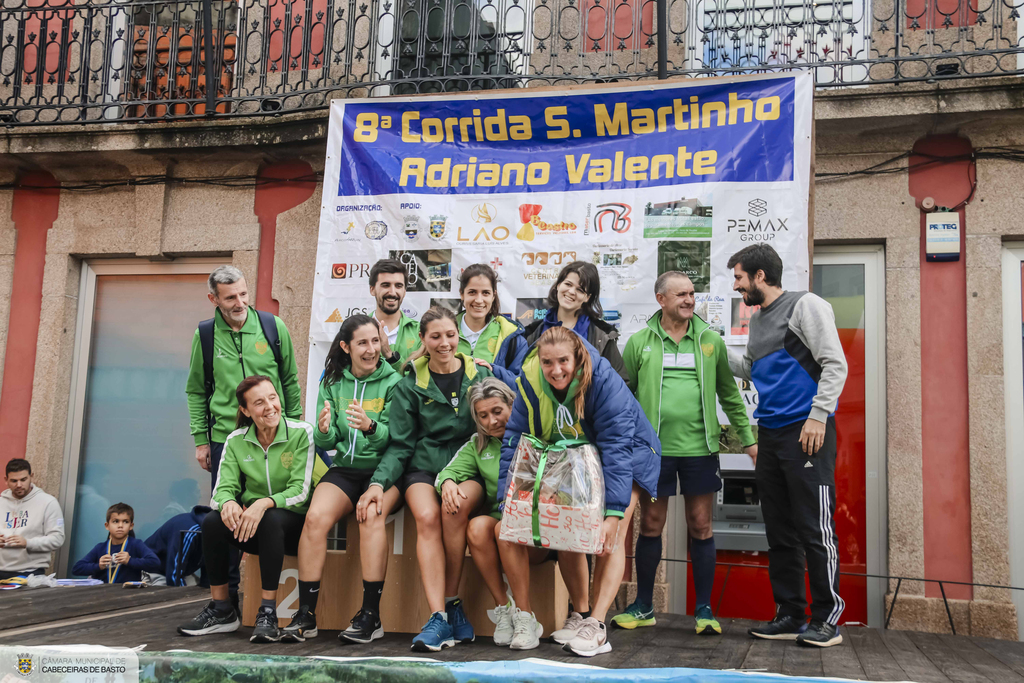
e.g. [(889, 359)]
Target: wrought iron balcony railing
[(96, 61)]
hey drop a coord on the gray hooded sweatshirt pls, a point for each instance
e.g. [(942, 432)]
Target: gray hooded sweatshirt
[(36, 518)]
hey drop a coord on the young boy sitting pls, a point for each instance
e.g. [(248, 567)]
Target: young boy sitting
[(121, 557)]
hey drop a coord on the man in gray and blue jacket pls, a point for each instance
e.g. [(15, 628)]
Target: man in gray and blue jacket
[(798, 367)]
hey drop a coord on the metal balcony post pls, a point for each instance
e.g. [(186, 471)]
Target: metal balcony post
[(212, 79), (662, 39)]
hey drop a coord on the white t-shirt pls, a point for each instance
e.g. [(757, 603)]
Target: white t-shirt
[(469, 335), (392, 334)]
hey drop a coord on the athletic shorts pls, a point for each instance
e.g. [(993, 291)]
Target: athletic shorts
[(415, 477), (352, 482), (696, 475)]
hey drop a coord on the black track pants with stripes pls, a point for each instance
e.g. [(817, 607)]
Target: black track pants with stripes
[(798, 500)]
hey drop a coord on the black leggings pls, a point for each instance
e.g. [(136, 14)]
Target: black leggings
[(276, 536)]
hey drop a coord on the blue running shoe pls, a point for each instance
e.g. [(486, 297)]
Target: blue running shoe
[(436, 634), (463, 630)]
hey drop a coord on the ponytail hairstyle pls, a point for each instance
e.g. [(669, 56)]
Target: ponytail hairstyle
[(337, 358), (490, 387), (584, 365), (243, 420), (433, 313), (480, 270)]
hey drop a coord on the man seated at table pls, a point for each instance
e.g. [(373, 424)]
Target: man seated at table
[(31, 524)]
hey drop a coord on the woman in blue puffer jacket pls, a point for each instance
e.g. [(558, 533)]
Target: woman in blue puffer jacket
[(566, 390)]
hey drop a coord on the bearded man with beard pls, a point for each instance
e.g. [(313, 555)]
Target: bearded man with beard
[(798, 367), (389, 279)]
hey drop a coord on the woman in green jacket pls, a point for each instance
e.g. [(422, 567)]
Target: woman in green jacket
[(430, 420), (354, 398), (459, 483), (277, 457)]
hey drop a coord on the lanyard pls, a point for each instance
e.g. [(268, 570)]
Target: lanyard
[(117, 567)]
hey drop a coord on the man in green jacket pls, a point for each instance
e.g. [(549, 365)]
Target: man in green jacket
[(240, 350), (389, 279), (677, 366)]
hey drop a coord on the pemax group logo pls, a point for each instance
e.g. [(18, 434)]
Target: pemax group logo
[(762, 227)]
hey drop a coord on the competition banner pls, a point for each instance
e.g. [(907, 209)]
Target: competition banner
[(636, 179)]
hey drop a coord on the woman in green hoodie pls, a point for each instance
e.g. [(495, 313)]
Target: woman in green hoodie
[(430, 420), (354, 399)]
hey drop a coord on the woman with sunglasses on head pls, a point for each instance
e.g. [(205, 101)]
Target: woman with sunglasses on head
[(430, 420), (354, 400), (568, 391), (575, 303), (484, 333)]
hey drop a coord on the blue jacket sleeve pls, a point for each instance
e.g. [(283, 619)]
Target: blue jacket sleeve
[(90, 564), (518, 424), (508, 362), (613, 428), (143, 559)]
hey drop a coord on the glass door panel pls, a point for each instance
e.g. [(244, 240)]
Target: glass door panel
[(136, 447)]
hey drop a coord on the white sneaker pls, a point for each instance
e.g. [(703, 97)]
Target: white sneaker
[(569, 629), (527, 631), (590, 640), (503, 629)]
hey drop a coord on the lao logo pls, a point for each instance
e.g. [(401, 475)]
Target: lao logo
[(437, 227), (25, 664)]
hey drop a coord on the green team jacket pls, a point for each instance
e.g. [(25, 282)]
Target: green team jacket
[(469, 462), (426, 430), (283, 472), (374, 393), (643, 359), (237, 355), (407, 341)]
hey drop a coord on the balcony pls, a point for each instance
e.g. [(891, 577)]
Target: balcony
[(102, 61)]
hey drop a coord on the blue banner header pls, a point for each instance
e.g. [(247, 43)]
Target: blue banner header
[(739, 131)]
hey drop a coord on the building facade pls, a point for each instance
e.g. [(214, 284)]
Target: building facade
[(124, 179)]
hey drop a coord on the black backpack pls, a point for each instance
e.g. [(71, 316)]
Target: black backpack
[(269, 327)]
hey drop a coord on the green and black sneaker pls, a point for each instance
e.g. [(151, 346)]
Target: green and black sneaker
[(635, 616), (706, 623)]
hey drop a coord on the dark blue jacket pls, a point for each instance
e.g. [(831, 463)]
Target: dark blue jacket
[(142, 560), (178, 543), (508, 362), (614, 423)]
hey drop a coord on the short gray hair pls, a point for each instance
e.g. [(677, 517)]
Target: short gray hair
[(491, 387), (224, 275), (661, 284)]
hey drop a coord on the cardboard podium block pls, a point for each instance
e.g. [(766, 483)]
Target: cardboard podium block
[(403, 607)]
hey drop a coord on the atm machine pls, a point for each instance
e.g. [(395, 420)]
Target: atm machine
[(736, 519)]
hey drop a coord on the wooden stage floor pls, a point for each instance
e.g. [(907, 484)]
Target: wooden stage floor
[(106, 615)]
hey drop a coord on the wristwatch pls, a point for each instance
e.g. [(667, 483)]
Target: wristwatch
[(373, 428)]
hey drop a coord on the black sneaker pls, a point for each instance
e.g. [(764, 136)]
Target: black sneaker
[(303, 626), (210, 621), (820, 634), (780, 628), (266, 630), (365, 628)]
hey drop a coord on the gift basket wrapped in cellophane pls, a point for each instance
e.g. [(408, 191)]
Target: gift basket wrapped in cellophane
[(555, 496)]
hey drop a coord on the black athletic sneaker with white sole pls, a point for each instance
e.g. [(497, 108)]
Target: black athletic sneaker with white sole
[(210, 621), (266, 630), (303, 626), (365, 628), (820, 634), (780, 628)]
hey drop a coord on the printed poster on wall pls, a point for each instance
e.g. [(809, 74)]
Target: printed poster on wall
[(637, 180)]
